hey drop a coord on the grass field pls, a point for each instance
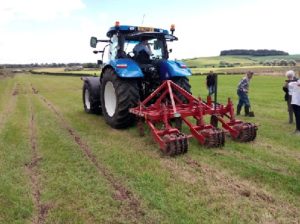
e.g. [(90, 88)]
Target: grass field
[(61, 165), (238, 59), (241, 64)]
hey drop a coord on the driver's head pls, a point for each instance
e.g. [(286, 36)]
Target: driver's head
[(144, 41)]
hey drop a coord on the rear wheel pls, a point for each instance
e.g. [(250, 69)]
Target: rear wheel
[(183, 82), (90, 104), (117, 96)]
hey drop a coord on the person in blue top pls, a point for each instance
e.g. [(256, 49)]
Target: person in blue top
[(242, 92)]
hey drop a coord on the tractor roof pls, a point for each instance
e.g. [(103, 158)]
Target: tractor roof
[(125, 29)]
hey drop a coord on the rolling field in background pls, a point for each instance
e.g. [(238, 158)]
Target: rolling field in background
[(202, 65), (241, 64), (61, 165), (237, 60)]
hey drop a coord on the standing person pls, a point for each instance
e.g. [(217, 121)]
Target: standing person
[(294, 88), (288, 94), (242, 91), (211, 83)]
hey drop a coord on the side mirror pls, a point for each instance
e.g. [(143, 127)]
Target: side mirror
[(170, 50), (93, 42), (99, 62)]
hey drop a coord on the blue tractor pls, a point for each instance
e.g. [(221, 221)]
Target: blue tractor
[(129, 76)]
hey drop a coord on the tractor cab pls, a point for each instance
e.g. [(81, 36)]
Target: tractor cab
[(121, 53), (126, 39)]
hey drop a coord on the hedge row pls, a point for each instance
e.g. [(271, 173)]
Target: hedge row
[(60, 73)]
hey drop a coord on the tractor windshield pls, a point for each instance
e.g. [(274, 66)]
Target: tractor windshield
[(129, 45), (155, 45)]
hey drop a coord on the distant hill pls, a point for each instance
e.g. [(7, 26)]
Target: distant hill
[(261, 52), (236, 61)]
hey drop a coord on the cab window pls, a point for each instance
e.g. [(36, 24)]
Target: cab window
[(113, 47)]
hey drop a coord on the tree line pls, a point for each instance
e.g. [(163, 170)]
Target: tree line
[(262, 52)]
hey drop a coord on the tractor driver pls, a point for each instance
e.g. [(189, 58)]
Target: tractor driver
[(142, 52)]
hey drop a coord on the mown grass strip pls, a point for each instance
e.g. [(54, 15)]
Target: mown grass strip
[(130, 205), (15, 202), (41, 209), (6, 87), (161, 192), (141, 172), (71, 185)]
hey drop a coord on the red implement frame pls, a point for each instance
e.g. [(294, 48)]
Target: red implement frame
[(172, 104)]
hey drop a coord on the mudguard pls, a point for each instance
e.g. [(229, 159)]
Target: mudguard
[(126, 68), (169, 69)]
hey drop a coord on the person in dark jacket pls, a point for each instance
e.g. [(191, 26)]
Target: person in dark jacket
[(242, 92), (290, 75), (211, 83)]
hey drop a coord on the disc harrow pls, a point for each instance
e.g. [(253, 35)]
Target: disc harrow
[(175, 144), (214, 137), (167, 115), (247, 132)]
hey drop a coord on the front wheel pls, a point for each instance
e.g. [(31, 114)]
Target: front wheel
[(91, 104), (117, 96)]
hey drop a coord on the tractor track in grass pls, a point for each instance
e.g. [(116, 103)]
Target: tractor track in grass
[(222, 184), (31, 168), (232, 191), (130, 204)]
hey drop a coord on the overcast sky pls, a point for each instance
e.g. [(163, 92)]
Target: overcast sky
[(46, 31)]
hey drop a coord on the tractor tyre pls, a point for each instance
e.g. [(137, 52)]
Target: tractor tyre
[(91, 99), (183, 82), (117, 96)]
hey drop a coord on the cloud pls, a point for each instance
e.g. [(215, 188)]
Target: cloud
[(44, 10), (62, 35), (37, 44), (261, 24)]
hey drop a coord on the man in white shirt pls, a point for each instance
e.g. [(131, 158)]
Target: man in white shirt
[(288, 95), (294, 89)]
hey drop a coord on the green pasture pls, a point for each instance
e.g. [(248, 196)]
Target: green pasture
[(256, 182), (215, 61), (237, 61)]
